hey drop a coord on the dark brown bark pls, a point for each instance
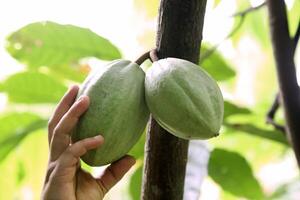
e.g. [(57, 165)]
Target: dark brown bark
[(270, 118), (286, 73), (179, 35)]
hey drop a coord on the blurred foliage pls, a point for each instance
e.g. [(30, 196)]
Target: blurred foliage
[(52, 54), (14, 128), (233, 109), (138, 149), (23, 170), (224, 164), (148, 8), (254, 24), (294, 17), (136, 182), (288, 190), (51, 44), (216, 3), (216, 65), (33, 87)]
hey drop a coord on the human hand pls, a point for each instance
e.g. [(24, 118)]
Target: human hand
[(65, 179)]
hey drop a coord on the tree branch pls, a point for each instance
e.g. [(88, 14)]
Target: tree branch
[(179, 35), (286, 71), (253, 130), (270, 118), (248, 10), (242, 15), (274, 107)]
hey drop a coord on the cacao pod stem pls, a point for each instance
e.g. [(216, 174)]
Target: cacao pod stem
[(142, 58)]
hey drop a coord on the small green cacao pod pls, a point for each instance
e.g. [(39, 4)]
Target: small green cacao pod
[(184, 99), (117, 111)]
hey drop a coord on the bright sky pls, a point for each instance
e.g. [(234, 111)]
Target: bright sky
[(117, 21)]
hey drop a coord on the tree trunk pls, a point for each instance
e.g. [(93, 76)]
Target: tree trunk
[(283, 49), (179, 35)]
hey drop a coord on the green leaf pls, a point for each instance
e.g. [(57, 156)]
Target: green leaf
[(232, 109), (233, 173), (259, 150), (20, 173), (73, 72), (224, 195), (215, 64), (251, 129), (255, 24), (33, 154), (50, 44), (294, 17), (12, 122), (138, 149), (33, 87), (216, 3), (135, 183), (13, 129), (11, 142)]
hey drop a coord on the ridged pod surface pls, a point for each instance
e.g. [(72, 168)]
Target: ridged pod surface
[(117, 111), (184, 99)]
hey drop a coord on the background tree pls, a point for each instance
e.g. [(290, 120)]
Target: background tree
[(236, 51)]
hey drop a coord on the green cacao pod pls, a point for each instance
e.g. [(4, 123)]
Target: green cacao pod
[(117, 111), (184, 99)]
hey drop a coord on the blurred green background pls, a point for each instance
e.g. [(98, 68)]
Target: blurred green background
[(41, 55)]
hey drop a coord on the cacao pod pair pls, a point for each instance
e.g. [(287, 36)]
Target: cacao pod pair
[(183, 99)]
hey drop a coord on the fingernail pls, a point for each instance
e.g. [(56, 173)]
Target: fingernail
[(98, 137), (82, 98), (73, 86)]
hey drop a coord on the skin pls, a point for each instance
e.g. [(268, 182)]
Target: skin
[(65, 179)]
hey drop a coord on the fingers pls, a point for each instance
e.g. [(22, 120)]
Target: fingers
[(61, 136), (72, 154), (63, 106), (114, 173)]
